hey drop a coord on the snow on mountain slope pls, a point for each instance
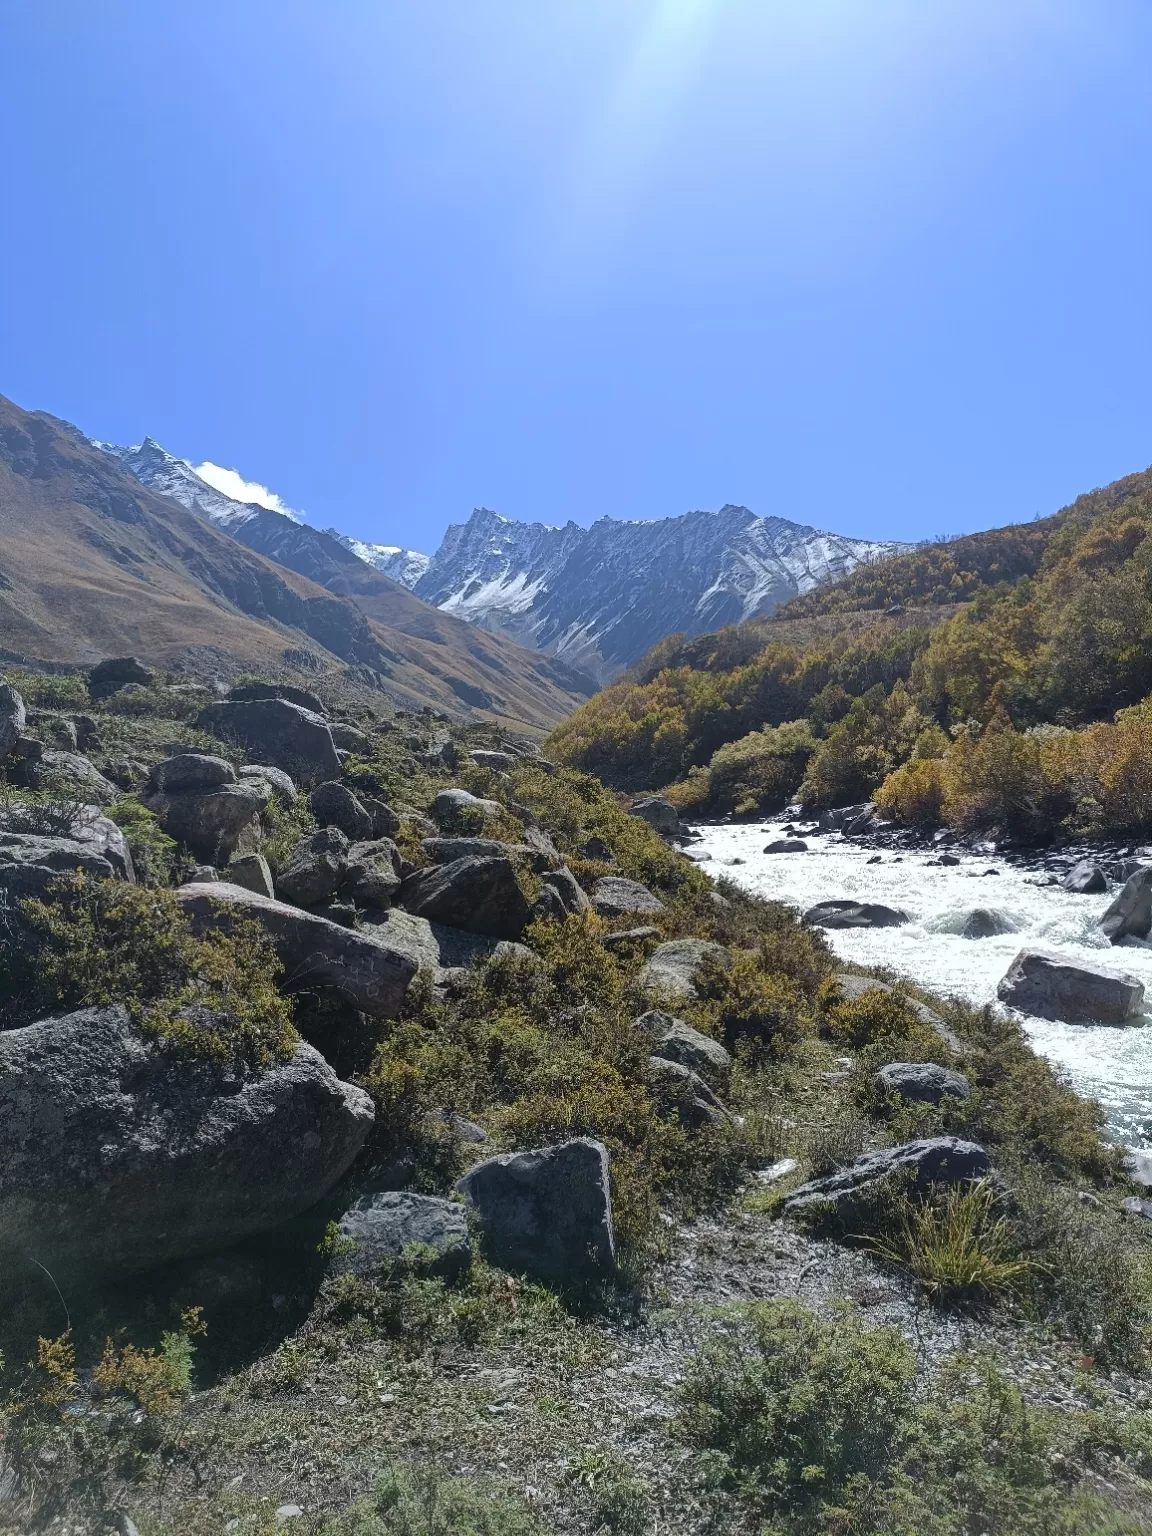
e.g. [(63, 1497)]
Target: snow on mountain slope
[(403, 565), (599, 597), (167, 475)]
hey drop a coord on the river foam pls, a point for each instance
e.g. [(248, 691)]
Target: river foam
[(1111, 1064)]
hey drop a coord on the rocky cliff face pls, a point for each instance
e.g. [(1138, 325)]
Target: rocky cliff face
[(597, 598)]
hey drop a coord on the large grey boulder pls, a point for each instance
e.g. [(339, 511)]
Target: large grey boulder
[(12, 718), (853, 914), (660, 814), (357, 965), (1086, 879), (108, 677), (189, 771), (280, 785), (315, 869), (70, 774), (481, 895), (566, 897), (455, 810), (1130, 915), (1050, 987), (278, 732), (671, 967), (210, 821), (380, 1227), (251, 871), (409, 935), (118, 1152), (921, 1082), (30, 864), (349, 738), (674, 1040), (787, 845), (499, 762), (304, 697), (372, 876), (547, 1212), (613, 896), (443, 850), (935, 1160), (94, 833), (334, 805)]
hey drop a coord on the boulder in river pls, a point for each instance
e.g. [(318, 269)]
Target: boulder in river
[(1086, 879), (985, 923), (935, 1160), (118, 1152), (1052, 987), (787, 845), (1130, 915), (547, 1212), (853, 914)]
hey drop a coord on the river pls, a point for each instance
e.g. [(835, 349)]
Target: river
[(1111, 1064)]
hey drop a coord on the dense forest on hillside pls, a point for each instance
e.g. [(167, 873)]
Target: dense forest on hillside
[(1023, 705)]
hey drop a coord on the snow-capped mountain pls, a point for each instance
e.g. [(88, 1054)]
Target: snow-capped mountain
[(403, 565), (597, 598)]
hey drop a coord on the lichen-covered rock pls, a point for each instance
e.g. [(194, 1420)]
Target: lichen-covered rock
[(378, 1228), (278, 732), (922, 1082), (671, 967), (935, 1160), (547, 1212), (12, 718), (334, 805), (359, 966), (676, 1041), (118, 1152), (315, 869), (613, 896)]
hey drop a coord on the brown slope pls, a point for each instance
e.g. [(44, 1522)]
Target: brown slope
[(93, 564)]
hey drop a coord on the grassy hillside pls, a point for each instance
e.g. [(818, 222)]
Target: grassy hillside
[(93, 564), (1028, 691)]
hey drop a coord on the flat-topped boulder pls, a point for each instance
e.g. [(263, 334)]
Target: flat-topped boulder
[(478, 894), (922, 1082), (119, 1152), (188, 771), (853, 914), (934, 1160), (613, 896), (671, 968), (1051, 987), (276, 731), (547, 1212), (357, 965), (304, 697)]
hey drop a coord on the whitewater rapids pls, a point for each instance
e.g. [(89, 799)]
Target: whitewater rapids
[(1110, 1063)]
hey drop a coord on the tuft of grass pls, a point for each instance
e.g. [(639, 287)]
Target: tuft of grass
[(421, 1500), (959, 1246)]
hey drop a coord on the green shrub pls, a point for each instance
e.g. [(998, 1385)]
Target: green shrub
[(153, 851), (744, 1005), (792, 1410), (420, 1500), (614, 1497), (97, 942)]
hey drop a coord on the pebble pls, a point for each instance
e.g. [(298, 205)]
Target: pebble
[(288, 1512)]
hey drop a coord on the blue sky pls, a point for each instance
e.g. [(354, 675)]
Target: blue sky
[(880, 266)]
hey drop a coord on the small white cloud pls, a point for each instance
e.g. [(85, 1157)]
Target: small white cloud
[(229, 483)]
